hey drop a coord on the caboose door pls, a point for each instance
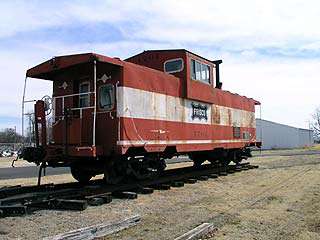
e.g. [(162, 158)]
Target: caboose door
[(106, 117), (85, 103)]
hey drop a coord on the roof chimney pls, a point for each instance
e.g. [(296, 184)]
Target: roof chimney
[(218, 83)]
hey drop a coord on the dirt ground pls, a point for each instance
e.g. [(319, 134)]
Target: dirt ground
[(280, 200)]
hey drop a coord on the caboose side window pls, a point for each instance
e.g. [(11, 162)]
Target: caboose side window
[(200, 71), (106, 97), (236, 132), (173, 65), (84, 98)]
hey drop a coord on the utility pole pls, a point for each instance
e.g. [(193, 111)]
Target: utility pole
[(15, 138)]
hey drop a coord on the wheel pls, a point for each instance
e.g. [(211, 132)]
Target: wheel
[(197, 163), (145, 167), (113, 173), (226, 162), (81, 175), (214, 162), (110, 177)]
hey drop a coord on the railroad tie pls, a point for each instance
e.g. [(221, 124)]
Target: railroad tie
[(10, 211), (213, 175), (125, 195), (69, 204), (177, 184), (99, 199), (161, 186), (144, 190), (98, 231), (223, 173), (190, 180), (96, 201), (197, 233), (203, 178)]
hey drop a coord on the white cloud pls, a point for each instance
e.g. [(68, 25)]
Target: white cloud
[(242, 24), (234, 31), (231, 24), (287, 89)]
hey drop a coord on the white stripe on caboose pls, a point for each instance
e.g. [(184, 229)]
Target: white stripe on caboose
[(137, 103), (175, 142)]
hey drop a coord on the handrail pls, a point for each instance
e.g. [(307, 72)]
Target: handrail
[(63, 100), (81, 108), (95, 102), (28, 114), (22, 110), (72, 95), (27, 101)]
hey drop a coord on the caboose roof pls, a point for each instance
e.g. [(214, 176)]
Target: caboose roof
[(169, 50), (46, 69)]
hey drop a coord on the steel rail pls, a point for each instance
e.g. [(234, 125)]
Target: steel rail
[(19, 200)]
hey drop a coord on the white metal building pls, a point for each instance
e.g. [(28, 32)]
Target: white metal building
[(275, 135)]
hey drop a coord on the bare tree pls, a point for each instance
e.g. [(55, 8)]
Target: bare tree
[(9, 135), (30, 137), (315, 124)]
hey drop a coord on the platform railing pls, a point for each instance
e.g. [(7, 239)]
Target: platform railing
[(63, 97)]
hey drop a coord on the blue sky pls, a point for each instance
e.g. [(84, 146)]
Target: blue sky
[(270, 49)]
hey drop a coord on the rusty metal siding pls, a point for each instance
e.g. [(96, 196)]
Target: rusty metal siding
[(153, 119)]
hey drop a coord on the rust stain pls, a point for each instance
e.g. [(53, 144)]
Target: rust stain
[(252, 121), (229, 117), (216, 117)]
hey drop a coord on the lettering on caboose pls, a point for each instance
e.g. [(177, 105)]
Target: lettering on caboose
[(199, 111)]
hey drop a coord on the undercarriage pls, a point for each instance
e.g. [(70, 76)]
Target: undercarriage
[(123, 168)]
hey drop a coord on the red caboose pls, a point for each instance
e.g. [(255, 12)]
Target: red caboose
[(126, 117)]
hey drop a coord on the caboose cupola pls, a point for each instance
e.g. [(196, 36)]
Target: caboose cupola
[(197, 74)]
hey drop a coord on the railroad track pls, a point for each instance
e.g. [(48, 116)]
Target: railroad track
[(22, 200)]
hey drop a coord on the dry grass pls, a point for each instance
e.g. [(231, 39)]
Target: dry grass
[(315, 147), (272, 202)]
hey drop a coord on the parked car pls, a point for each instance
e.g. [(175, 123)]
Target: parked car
[(6, 154)]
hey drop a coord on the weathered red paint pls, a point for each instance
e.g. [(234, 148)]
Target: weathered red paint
[(145, 72)]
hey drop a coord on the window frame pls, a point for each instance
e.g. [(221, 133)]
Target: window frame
[(193, 75), (171, 60), (114, 97), (246, 135), (237, 132), (83, 96)]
